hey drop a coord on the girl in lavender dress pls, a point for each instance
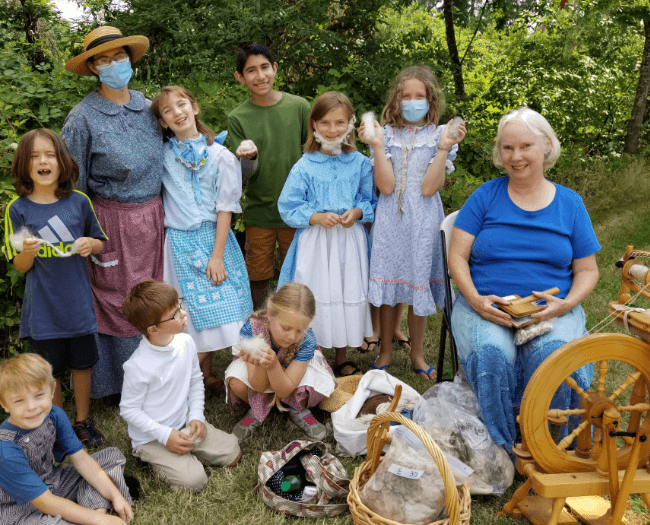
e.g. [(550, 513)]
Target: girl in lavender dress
[(411, 155)]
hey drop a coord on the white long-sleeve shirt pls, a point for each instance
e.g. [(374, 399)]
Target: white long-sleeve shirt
[(162, 390)]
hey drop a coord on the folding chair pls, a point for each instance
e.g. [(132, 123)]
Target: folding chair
[(446, 228)]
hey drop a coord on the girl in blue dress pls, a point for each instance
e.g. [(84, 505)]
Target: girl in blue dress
[(328, 194), (202, 260), (411, 155)]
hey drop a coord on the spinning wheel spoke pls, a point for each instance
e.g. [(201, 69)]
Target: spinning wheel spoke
[(556, 412), (603, 367), (562, 445), (629, 381), (572, 383), (639, 407)]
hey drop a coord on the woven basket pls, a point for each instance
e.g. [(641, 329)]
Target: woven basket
[(457, 500)]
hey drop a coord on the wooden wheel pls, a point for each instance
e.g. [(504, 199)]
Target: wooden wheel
[(602, 350)]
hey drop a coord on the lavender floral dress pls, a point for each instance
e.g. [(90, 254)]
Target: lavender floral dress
[(406, 259)]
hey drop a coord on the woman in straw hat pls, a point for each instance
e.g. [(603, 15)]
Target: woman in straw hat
[(117, 143)]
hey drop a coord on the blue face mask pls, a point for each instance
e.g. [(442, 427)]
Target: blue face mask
[(414, 110), (116, 75)]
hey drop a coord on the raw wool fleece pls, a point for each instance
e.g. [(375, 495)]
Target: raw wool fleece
[(249, 345), (461, 434), (369, 120), (405, 403), (407, 486), (246, 145), (17, 239)]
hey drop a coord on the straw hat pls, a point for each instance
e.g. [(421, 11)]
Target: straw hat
[(344, 391), (103, 39)]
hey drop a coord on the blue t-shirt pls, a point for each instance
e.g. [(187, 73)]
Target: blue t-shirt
[(304, 353), (517, 251), (58, 300), (17, 479)]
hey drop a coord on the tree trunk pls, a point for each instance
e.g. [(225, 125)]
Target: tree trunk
[(638, 109), (30, 25), (456, 66)]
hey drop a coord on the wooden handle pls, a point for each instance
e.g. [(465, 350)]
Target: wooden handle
[(551, 291)]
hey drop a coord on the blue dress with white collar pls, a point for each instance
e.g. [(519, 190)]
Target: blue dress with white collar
[(333, 262)]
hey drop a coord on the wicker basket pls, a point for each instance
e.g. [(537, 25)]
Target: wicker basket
[(457, 500)]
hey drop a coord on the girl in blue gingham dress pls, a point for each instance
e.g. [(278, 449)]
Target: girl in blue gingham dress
[(202, 260)]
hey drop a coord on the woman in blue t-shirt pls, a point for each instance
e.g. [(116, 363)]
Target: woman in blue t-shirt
[(515, 235)]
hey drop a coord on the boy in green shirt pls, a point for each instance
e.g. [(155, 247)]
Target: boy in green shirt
[(277, 123)]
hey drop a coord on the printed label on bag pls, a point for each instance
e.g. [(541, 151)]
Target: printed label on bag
[(405, 472), (458, 467)]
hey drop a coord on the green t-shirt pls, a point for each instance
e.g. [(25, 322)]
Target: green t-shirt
[(278, 131)]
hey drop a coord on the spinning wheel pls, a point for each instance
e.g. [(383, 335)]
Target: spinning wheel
[(537, 419), (607, 452)]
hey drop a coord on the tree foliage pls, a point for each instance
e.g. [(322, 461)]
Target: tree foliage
[(576, 62)]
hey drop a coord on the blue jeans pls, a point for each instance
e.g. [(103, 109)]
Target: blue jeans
[(499, 370)]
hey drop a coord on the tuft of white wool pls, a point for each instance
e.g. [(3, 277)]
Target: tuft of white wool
[(249, 345), (369, 133), (525, 334), (246, 145), (17, 241), (453, 127)]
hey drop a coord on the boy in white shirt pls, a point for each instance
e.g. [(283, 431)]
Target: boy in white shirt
[(163, 395)]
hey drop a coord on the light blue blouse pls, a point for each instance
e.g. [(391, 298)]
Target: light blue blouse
[(220, 186), (118, 147), (321, 183)]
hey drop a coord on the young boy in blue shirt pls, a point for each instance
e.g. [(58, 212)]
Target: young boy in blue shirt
[(35, 434)]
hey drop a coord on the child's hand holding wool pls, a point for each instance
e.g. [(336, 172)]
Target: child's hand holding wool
[(266, 357), (84, 246), (366, 134), (179, 443), (246, 150), (31, 246)]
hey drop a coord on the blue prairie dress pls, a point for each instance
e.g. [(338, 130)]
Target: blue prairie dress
[(119, 152), (332, 262), (406, 262), (192, 201)]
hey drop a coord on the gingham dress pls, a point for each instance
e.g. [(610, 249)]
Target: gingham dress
[(210, 306)]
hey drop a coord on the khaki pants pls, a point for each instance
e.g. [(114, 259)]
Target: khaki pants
[(186, 470)]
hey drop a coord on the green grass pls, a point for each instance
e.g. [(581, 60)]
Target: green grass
[(618, 205)]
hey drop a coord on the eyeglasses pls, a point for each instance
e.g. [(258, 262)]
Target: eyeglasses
[(173, 317), (104, 61)]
